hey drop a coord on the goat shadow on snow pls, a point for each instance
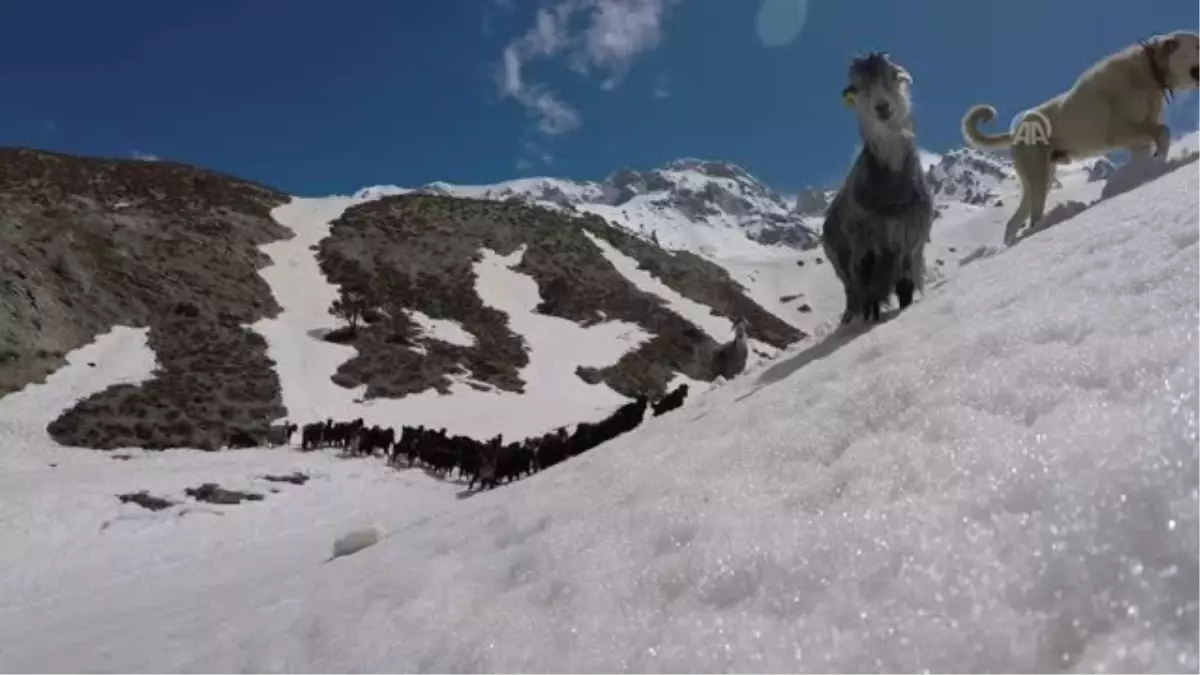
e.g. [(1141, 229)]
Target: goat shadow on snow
[(839, 338)]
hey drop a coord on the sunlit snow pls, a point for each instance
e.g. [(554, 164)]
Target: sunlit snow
[(1001, 478)]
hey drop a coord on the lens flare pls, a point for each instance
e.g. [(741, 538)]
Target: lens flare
[(780, 21)]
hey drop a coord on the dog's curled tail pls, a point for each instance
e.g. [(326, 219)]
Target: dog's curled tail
[(982, 114)]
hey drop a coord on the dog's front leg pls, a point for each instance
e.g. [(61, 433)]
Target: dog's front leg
[(1162, 141)]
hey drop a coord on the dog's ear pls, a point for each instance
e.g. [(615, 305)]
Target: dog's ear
[(848, 95), (1168, 45), (903, 75)]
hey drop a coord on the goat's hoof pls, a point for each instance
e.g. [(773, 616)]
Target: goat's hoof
[(905, 290)]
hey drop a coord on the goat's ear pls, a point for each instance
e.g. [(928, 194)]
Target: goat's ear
[(848, 95)]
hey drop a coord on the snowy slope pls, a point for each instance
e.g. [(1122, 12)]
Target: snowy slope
[(1002, 478)]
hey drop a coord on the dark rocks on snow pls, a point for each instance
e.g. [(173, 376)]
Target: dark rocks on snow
[(296, 478), (145, 500), (215, 494), (589, 374)]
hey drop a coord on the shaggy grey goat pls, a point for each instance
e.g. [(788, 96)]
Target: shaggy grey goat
[(730, 359), (877, 225)]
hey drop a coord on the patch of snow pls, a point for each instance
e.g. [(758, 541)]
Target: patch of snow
[(718, 327), (443, 330), (91, 569), (374, 192), (120, 356), (305, 362), (1185, 145)]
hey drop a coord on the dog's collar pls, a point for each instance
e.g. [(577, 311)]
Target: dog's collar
[(1156, 69)]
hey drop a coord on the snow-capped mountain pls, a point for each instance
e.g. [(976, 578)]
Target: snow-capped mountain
[(969, 176), (706, 207), (719, 210)]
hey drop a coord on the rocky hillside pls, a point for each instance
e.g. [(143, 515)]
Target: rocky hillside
[(969, 176), (417, 252), (86, 244)]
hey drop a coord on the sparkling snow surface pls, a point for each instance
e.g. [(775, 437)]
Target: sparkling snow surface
[(1002, 478)]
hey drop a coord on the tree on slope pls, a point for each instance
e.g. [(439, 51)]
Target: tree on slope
[(354, 301)]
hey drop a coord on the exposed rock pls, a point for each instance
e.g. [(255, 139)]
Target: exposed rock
[(145, 500), (794, 235), (589, 374), (967, 175), (296, 478), (215, 494)]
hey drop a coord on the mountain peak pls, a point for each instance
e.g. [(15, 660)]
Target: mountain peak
[(710, 168)]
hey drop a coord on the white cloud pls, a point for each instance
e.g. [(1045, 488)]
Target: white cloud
[(619, 30), (144, 156), (547, 36), (612, 34)]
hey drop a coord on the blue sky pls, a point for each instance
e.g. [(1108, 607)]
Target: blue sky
[(319, 97)]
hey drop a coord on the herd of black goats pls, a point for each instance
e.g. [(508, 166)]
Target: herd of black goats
[(486, 463)]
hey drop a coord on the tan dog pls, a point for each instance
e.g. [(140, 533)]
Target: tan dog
[(1116, 104)]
